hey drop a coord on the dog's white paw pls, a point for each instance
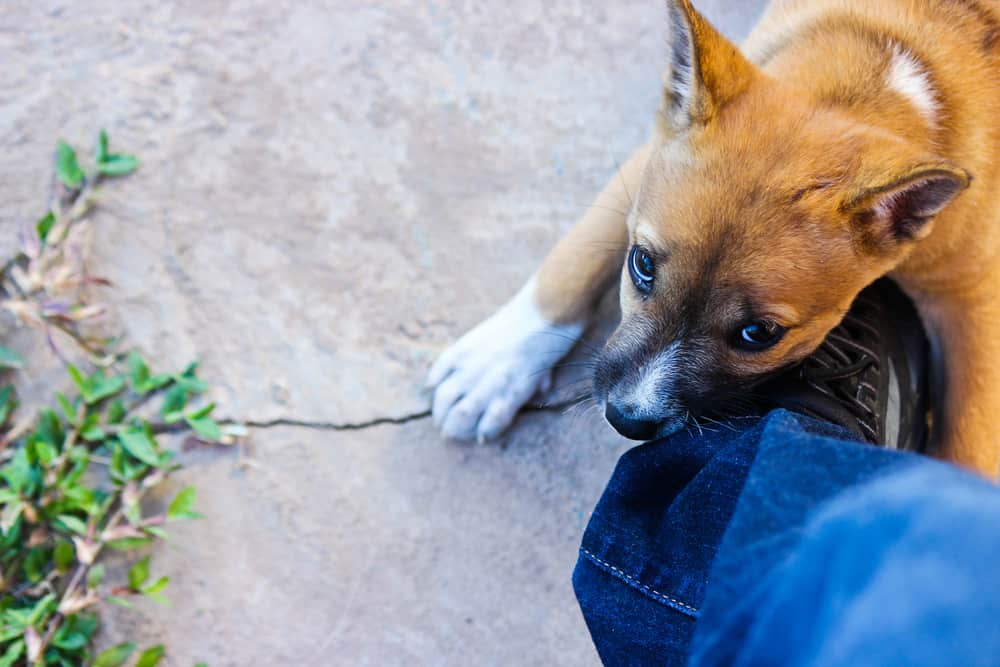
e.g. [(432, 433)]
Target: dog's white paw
[(482, 381)]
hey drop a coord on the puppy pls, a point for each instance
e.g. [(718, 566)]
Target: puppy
[(838, 146)]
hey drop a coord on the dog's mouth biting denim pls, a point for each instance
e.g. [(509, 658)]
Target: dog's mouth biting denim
[(639, 389)]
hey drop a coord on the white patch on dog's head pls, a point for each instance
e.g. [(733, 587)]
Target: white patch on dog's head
[(907, 77), (675, 155)]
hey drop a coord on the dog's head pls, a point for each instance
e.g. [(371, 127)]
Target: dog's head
[(762, 214)]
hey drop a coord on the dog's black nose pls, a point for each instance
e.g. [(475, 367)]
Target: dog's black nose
[(629, 426)]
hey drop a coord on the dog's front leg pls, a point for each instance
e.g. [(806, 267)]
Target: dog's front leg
[(967, 332), (491, 372)]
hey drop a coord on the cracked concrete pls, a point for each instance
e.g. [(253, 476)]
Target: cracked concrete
[(331, 192), (331, 426)]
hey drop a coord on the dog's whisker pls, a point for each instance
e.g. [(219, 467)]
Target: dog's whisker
[(582, 409), (604, 208), (621, 177), (581, 342), (720, 423), (589, 363)]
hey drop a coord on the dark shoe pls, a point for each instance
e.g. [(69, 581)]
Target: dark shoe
[(870, 375)]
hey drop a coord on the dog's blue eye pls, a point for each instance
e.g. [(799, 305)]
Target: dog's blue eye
[(760, 335), (642, 268)]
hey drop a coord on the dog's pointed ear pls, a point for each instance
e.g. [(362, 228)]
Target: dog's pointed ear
[(705, 71), (902, 208)]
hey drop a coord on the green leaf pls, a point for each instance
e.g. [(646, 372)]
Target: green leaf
[(79, 497), (137, 442), (156, 531), (202, 412), (44, 450), (9, 516), (41, 608), (97, 387), (112, 164), (71, 641), (156, 586), (10, 359), (94, 434), (101, 149), (153, 591), (12, 540), (67, 168), (71, 523), (19, 473), (151, 656), (95, 576), (182, 506), (44, 225), (85, 623), (138, 574), (122, 468), (201, 664), (129, 543), (137, 369), (118, 164), (116, 412), (103, 387), (67, 407), (8, 403), (35, 564), (63, 556), (114, 656), (206, 427), (142, 380), (120, 601), (174, 403), (189, 379), (13, 652), (81, 382), (50, 428), (159, 381)]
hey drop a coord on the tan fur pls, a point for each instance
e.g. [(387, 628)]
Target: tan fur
[(579, 270), (791, 149)]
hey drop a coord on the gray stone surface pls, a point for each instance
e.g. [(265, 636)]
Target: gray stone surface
[(330, 193)]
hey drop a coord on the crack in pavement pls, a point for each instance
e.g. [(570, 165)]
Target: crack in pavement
[(326, 425), (318, 425)]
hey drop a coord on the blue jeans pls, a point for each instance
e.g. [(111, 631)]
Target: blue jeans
[(778, 541)]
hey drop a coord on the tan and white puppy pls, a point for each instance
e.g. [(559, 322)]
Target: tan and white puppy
[(840, 145)]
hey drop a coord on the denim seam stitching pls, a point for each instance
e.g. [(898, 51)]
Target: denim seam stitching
[(635, 582)]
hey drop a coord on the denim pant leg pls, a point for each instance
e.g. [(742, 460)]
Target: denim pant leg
[(691, 531), (898, 568), (643, 564)]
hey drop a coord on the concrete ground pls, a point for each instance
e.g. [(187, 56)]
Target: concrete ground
[(330, 193)]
